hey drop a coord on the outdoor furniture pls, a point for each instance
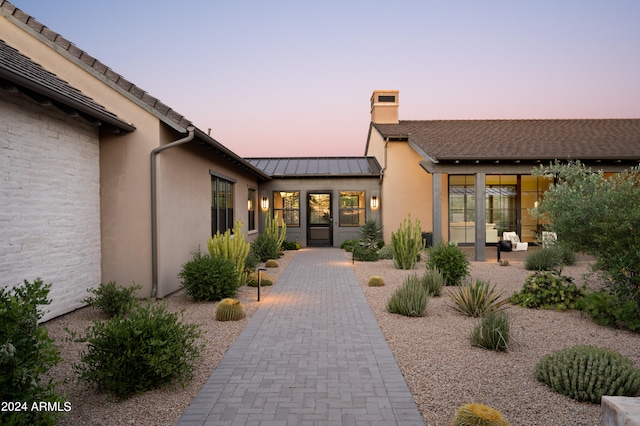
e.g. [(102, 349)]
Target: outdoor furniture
[(548, 238), (516, 245)]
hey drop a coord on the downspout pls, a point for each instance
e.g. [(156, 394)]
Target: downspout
[(154, 209)]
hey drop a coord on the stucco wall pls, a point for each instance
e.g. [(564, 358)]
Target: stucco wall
[(50, 198)]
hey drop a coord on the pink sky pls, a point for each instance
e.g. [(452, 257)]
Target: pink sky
[(293, 78)]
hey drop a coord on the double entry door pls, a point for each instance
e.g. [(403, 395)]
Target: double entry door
[(319, 220)]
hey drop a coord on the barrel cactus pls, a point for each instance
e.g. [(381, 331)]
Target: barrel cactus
[(229, 310), (376, 281), (271, 263), (478, 415), (586, 373)]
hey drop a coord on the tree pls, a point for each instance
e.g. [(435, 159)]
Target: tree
[(599, 215)]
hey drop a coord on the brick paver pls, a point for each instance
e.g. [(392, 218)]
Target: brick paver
[(312, 354)]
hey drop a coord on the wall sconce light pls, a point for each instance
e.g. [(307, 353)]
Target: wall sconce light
[(264, 203), (374, 202)]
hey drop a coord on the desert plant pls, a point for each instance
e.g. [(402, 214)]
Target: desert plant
[(386, 252), (112, 299), (266, 280), (478, 415), (229, 310), (273, 230), (410, 299), (271, 263), (209, 278), (27, 353), (265, 247), (547, 290), (365, 254), (492, 332), (232, 247), (149, 348), (476, 298), (610, 310), (406, 243), (290, 245), (433, 282), (450, 260), (586, 373), (376, 281), (544, 259)]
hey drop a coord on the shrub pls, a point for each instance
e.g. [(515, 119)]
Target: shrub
[(271, 263), (229, 310), (478, 415), (610, 310), (290, 245), (232, 247), (406, 243), (265, 247), (386, 252), (547, 290), (209, 278), (433, 282), (27, 353), (450, 260), (586, 373), (113, 300), (348, 245), (149, 348), (409, 300), (273, 231), (544, 259), (364, 254), (376, 281), (476, 299), (251, 262), (492, 332)]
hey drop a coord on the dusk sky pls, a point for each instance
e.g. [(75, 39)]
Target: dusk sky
[(294, 78)]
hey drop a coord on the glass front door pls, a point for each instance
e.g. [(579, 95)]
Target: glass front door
[(320, 220)]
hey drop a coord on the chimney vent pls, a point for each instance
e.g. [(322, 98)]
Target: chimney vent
[(384, 106)]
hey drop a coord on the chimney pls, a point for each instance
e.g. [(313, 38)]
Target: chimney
[(384, 106)]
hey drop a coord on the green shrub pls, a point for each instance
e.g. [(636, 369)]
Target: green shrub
[(492, 332), (27, 353), (386, 252), (348, 245), (149, 348), (365, 254), (586, 373), (476, 299), (407, 242), (433, 282), (251, 262), (478, 415), (450, 260), (265, 247), (547, 290), (232, 247), (544, 259), (609, 310), (376, 281), (113, 300), (209, 278), (229, 310), (290, 245), (409, 300)]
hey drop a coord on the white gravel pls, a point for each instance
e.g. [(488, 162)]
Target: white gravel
[(442, 369)]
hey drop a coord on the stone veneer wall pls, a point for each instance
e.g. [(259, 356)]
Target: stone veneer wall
[(49, 201)]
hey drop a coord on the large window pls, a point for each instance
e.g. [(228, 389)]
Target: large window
[(221, 204), (251, 209), (501, 202), (352, 208), (286, 207), (532, 189), (462, 208)]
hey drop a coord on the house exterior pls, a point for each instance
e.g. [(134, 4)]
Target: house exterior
[(441, 170), (322, 200), (100, 180)]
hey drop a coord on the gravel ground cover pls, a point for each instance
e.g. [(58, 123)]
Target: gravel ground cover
[(440, 366)]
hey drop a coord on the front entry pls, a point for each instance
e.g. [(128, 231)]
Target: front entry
[(319, 220)]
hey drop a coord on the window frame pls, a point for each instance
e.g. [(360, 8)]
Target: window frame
[(359, 210), (289, 215), (222, 205)]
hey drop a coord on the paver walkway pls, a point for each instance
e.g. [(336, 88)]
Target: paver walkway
[(312, 354)]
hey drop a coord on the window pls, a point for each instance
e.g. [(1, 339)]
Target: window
[(501, 202), (221, 204), (251, 209), (352, 208), (462, 208), (286, 207)]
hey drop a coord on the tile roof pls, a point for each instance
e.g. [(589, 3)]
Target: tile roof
[(95, 66), (577, 139), (317, 166), (22, 71)]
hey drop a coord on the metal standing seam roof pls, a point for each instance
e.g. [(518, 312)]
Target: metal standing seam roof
[(580, 139), (20, 70), (317, 166)]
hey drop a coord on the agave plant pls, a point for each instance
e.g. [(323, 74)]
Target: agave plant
[(476, 299)]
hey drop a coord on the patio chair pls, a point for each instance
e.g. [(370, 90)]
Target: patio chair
[(516, 245), (548, 238)]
